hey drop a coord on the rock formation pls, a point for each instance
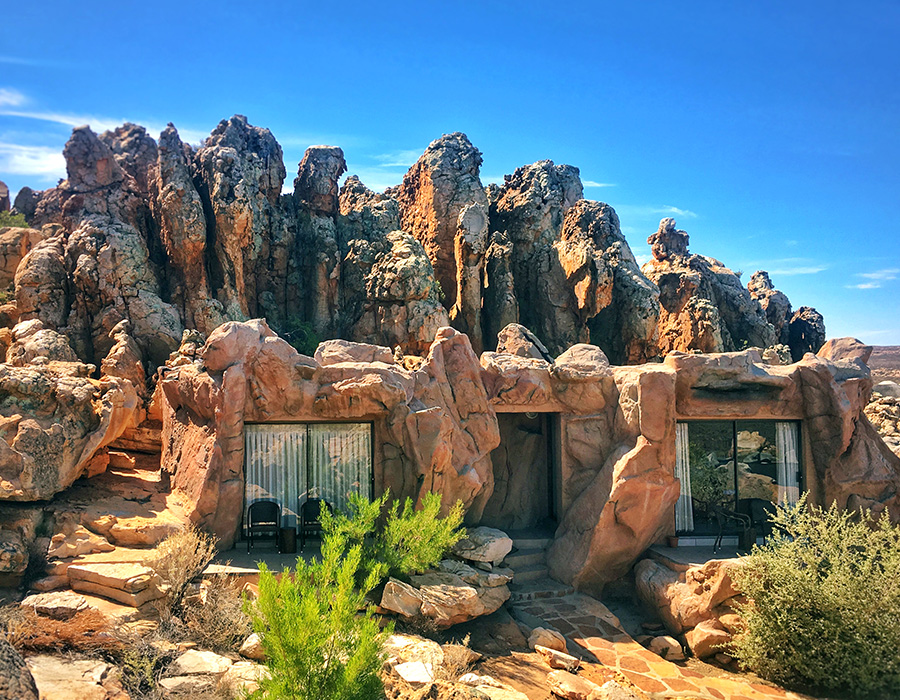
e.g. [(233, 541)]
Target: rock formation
[(703, 305), (802, 332), (4, 196)]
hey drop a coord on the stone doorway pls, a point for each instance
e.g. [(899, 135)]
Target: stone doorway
[(525, 475)]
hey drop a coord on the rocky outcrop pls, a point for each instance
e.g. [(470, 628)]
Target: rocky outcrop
[(883, 411), (802, 332), (16, 681), (4, 196), (249, 374), (432, 197), (55, 418), (700, 601), (703, 305)]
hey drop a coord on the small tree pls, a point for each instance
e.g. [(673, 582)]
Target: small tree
[(824, 603), (320, 638)]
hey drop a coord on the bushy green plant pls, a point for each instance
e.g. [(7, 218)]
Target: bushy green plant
[(824, 603), (321, 640), (8, 218), (301, 335), (410, 540), (414, 540)]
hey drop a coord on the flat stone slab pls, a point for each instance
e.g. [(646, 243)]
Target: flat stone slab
[(134, 600), (60, 605), (194, 662), (128, 577)]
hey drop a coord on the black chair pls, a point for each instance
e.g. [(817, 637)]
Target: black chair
[(309, 518), (758, 510), (263, 517)]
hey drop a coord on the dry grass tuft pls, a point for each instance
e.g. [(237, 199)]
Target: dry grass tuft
[(88, 631), (179, 559), (219, 622)]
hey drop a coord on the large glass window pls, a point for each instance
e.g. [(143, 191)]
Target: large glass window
[(743, 466), (290, 462)]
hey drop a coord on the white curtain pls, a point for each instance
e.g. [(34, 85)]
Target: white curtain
[(787, 442), (340, 462), (275, 458), (684, 507)]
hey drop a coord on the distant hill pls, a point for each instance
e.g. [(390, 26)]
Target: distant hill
[(885, 363)]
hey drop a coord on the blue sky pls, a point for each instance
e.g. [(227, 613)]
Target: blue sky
[(769, 130)]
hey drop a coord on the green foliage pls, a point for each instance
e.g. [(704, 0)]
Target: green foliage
[(415, 540), (301, 335), (320, 637), (709, 478), (8, 218), (321, 640), (824, 603), (410, 540)]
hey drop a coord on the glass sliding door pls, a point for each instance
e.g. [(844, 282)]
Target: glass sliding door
[(745, 466), (340, 462), (290, 462), (711, 471), (275, 459)]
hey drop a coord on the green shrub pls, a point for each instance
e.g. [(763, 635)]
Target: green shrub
[(301, 335), (414, 540), (410, 541), (321, 640), (8, 218), (824, 603)]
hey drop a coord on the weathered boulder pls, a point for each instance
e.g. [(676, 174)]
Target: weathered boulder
[(483, 544), (16, 681), (4, 197), (568, 686), (667, 647), (60, 605), (196, 662), (685, 599), (551, 639), (15, 244), (442, 597), (517, 340), (707, 639), (56, 419), (703, 305), (252, 648), (558, 659), (61, 678)]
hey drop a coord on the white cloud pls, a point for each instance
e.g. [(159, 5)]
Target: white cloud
[(864, 285), (881, 275), (31, 160), (642, 258), (798, 270), (594, 183), (648, 211), (73, 120), (399, 159), (376, 179), (11, 98)]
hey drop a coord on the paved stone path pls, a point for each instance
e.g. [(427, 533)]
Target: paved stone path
[(590, 625)]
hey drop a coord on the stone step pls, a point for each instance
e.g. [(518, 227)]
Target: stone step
[(537, 589), (530, 572), (532, 542), (525, 557)]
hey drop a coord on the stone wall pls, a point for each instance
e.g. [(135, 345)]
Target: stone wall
[(436, 427)]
